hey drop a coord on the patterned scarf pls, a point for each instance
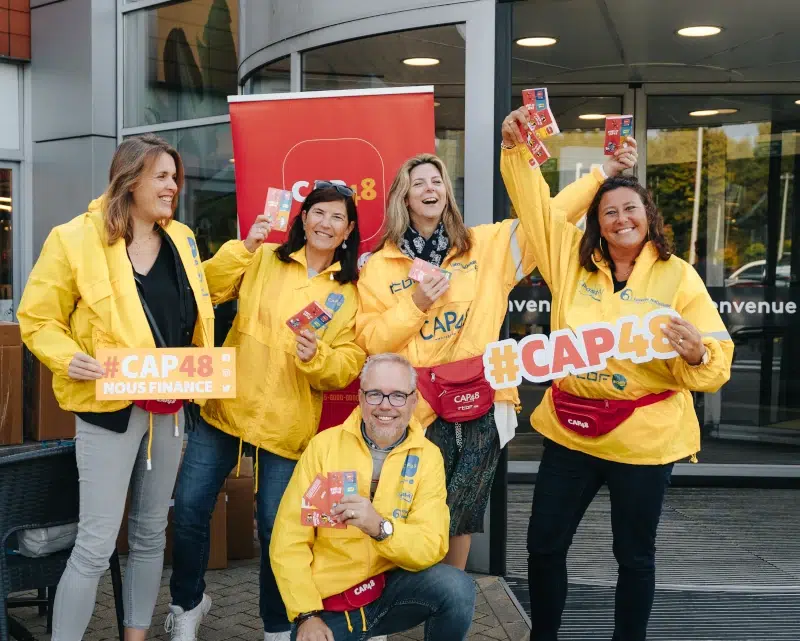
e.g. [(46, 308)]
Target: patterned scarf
[(432, 250)]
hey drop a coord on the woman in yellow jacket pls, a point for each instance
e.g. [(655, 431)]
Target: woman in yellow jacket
[(124, 274), (627, 425), (448, 320), (280, 379)]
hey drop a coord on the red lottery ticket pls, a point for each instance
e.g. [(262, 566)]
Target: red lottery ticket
[(317, 493), (539, 153), (541, 116), (312, 316), (421, 269), (316, 505), (618, 128), (278, 208)]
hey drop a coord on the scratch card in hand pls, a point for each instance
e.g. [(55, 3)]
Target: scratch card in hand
[(539, 153), (541, 116), (350, 483), (618, 128), (278, 208), (421, 269), (312, 317)]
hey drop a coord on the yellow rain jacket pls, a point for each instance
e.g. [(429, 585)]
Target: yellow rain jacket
[(470, 314), (278, 397), (81, 296), (311, 564), (660, 433)]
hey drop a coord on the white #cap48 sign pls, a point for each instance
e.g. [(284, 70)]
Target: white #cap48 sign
[(538, 357)]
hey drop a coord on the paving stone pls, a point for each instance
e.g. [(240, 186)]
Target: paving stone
[(235, 616)]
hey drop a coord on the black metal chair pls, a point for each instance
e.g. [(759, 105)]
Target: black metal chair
[(39, 489)]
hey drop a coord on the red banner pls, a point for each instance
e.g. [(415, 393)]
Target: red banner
[(357, 138)]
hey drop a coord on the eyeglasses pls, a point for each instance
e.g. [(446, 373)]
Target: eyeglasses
[(396, 399), (324, 184)]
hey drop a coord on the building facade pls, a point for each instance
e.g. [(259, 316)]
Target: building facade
[(717, 116)]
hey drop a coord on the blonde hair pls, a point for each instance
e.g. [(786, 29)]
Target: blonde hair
[(397, 215), (130, 160)]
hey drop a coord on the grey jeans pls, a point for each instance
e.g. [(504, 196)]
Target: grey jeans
[(108, 463)]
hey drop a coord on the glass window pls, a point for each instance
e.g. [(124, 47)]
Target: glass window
[(7, 203), (272, 78), (208, 201), (723, 171), (180, 61), (378, 62)]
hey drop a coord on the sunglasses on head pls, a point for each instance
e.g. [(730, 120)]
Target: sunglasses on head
[(344, 191)]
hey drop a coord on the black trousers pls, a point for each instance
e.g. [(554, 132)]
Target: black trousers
[(567, 482)]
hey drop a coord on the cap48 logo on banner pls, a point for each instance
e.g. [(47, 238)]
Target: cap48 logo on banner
[(357, 138), (538, 357)]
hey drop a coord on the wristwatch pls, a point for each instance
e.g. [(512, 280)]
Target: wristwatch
[(387, 529), (305, 616)]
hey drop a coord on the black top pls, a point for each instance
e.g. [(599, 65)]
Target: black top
[(618, 284), (174, 311)]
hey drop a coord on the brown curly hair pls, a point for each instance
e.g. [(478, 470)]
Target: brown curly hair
[(591, 237)]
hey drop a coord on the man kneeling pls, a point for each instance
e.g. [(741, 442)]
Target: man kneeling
[(376, 573)]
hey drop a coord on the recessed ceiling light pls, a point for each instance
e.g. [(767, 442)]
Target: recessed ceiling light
[(701, 113), (592, 116), (437, 104), (421, 62), (797, 102), (699, 31), (538, 41)]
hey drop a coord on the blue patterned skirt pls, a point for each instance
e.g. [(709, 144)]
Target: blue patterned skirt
[(470, 461)]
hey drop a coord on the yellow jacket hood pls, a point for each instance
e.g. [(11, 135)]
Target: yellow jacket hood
[(279, 398), (81, 296), (311, 564), (470, 314)]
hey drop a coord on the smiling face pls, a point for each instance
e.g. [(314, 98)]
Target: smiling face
[(156, 189), (623, 219), (326, 226), (385, 422), (427, 196)]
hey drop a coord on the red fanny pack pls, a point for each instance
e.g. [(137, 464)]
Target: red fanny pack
[(356, 597), (593, 417), (160, 407), (458, 391)]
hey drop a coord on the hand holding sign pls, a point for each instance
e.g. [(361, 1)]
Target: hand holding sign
[(624, 157), (686, 340)]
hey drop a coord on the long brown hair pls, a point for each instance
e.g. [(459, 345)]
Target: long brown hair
[(591, 237), (130, 160), (398, 218)]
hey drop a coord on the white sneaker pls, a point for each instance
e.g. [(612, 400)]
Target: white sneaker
[(183, 626), (277, 636)]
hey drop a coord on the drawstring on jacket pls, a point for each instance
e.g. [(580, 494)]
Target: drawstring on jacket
[(150, 438), (255, 467), (363, 620), (150, 444)]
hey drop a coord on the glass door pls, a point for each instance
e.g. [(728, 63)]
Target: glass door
[(723, 170), (9, 207)]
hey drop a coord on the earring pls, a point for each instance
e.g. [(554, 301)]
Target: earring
[(601, 246), (344, 244)]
